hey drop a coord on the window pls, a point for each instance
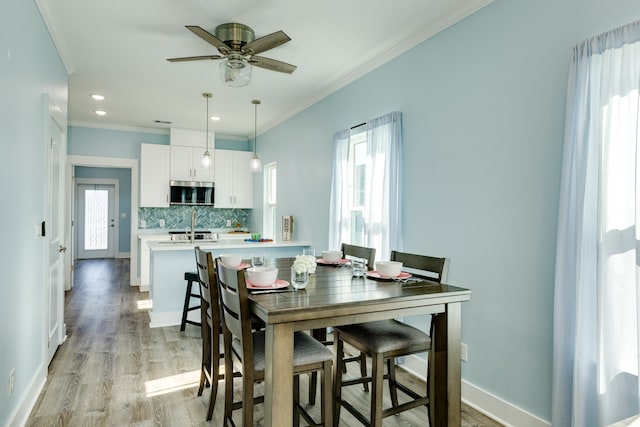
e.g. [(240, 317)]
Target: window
[(365, 191), (269, 210)]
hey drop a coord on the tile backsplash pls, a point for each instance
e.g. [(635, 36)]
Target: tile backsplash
[(179, 217)]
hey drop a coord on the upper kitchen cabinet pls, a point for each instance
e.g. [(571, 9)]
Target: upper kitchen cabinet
[(154, 175), (233, 180), (187, 148)]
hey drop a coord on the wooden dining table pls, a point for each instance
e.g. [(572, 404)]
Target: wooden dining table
[(334, 297)]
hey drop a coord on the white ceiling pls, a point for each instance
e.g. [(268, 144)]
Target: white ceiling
[(119, 48)]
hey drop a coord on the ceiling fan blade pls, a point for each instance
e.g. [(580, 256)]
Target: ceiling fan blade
[(194, 58), (265, 43), (272, 64), (209, 38)]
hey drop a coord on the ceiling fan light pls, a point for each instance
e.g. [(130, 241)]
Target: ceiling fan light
[(235, 72)]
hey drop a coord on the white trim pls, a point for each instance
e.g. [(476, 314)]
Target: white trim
[(29, 398), (51, 21), (492, 406), (141, 129), (116, 162)]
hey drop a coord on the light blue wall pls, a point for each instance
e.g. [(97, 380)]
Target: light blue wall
[(85, 141), (483, 112), (29, 69), (123, 176)]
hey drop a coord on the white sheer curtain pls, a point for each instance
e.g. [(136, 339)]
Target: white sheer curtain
[(383, 190), (596, 323)]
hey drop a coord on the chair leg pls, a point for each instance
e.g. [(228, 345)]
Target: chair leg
[(338, 365), (228, 385), (205, 369), (185, 309), (214, 351), (296, 400), (377, 375), (313, 385), (363, 370), (393, 390), (247, 398), (326, 407)]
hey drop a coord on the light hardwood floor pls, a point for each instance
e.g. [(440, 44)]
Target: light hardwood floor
[(114, 370)]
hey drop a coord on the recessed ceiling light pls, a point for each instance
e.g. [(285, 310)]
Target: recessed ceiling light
[(100, 112), (97, 96), (215, 118)]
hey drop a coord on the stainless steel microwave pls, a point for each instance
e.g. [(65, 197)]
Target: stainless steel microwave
[(192, 193)]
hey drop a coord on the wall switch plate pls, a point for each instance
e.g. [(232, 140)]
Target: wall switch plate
[(161, 222), (464, 352), (143, 223), (228, 223), (12, 380)]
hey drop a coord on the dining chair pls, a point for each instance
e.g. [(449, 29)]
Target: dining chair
[(383, 341), (369, 254), (245, 349), (211, 327), (348, 251)]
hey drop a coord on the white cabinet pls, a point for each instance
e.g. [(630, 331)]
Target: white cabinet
[(154, 175), (187, 148), (233, 180), (186, 164)]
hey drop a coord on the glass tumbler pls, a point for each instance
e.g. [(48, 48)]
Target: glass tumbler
[(359, 267), (299, 278)]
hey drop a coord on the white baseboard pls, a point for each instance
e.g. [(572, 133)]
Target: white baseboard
[(481, 400), (170, 318), (29, 398), (123, 255), (143, 288)]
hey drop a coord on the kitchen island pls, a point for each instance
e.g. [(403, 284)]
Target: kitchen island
[(169, 260)]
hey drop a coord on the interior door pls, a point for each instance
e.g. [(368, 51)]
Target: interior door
[(95, 205), (54, 234)]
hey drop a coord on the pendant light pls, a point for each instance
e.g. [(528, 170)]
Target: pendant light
[(206, 157), (256, 163)]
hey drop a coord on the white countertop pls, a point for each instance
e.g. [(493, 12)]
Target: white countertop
[(172, 245)]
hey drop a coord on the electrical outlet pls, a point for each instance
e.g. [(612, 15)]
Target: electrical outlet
[(12, 380), (161, 222), (228, 223), (464, 352), (143, 223)]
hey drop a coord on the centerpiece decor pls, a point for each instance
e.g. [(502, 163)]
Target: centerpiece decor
[(300, 270)]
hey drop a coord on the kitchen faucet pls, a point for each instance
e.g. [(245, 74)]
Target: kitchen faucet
[(193, 225)]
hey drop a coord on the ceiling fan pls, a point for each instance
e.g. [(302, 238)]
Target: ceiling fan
[(238, 49)]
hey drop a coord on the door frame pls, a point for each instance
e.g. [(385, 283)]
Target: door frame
[(108, 162), (116, 210)]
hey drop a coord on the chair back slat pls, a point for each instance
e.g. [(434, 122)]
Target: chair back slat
[(234, 300), (368, 254), (438, 267)]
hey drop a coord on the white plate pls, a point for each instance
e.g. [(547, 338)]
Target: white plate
[(278, 284), (375, 275)]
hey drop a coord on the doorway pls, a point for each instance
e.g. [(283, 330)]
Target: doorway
[(108, 162), (96, 208)]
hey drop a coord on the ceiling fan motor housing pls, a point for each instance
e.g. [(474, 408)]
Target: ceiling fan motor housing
[(235, 35)]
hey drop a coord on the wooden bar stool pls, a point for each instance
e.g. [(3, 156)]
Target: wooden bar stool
[(190, 277)]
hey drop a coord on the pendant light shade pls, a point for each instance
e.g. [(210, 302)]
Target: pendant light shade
[(256, 164), (206, 157)]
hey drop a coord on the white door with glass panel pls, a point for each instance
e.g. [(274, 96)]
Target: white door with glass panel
[(96, 225)]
